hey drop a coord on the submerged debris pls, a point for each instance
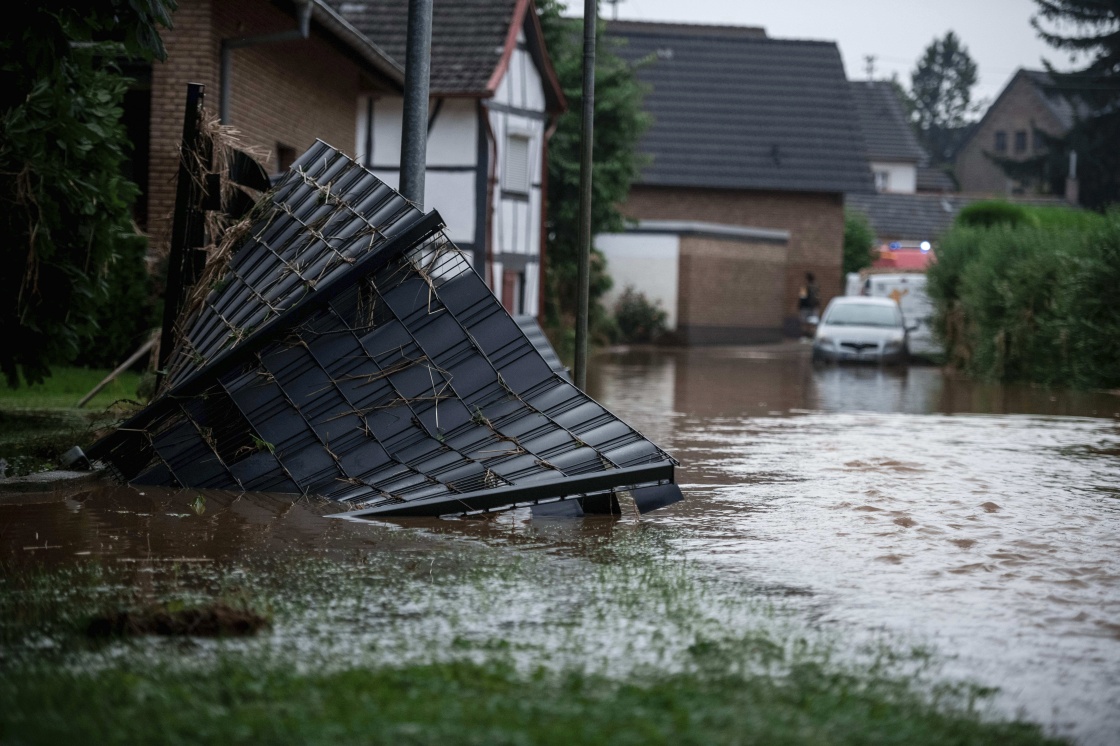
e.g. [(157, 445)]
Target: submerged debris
[(350, 351), (213, 620)]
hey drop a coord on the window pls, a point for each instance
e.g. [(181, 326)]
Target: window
[(1001, 142), (1039, 144), (516, 177), (1021, 141), (882, 181)]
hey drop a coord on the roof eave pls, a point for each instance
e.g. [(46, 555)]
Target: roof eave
[(355, 41)]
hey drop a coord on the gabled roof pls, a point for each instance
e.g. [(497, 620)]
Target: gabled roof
[(1056, 103), (886, 133), (472, 41), (742, 111)]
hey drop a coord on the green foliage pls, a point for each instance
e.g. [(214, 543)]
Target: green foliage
[(941, 95), (991, 213), (65, 203), (619, 122), (1089, 29), (1031, 303), (859, 242), (637, 318)]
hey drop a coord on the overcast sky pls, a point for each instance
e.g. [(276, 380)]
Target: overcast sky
[(997, 33)]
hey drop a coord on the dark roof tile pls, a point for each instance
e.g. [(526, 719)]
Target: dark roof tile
[(468, 37), (742, 111), (886, 132)]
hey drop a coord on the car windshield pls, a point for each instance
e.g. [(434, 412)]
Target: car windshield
[(863, 314)]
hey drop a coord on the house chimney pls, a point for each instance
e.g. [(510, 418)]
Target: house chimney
[(1072, 188)]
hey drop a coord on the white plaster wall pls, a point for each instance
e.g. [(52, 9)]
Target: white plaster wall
[(903, 177), (522, 86), (453, 138), (650, 262)]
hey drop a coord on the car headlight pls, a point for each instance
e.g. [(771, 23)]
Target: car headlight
[(824, 341)]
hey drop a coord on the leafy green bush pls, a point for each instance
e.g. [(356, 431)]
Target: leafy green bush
[(991, 213), (638, 319), (1032, 303), (859, 242)]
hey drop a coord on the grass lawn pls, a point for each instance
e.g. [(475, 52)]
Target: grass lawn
[(66, 386), (39, 423), (458, 647)]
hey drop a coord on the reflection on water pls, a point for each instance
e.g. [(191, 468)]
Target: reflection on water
[(982, 519)]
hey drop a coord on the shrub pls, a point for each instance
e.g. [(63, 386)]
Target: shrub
[(991, 213), (638, 319), (1032, 303), (859, 242)]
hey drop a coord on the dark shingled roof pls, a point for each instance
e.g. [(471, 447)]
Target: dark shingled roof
[(741, 111), (886, 132), (1057, 103), (921, 216), (933, 179), (468, 37)]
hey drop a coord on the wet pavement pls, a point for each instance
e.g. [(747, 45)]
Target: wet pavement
[(980, 521)]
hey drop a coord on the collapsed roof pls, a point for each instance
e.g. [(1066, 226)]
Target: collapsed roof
[(350, 351)]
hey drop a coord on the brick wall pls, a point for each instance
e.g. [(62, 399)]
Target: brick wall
[(815, 222), (730, 291), (286, 93), (1020, 108)]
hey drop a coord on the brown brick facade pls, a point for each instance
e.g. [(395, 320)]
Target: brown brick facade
[(730, 291), (286, 93), (1019, 109), (815, 222)]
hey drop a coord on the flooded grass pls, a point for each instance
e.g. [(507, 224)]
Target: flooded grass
[(601, 639), (39, 423)]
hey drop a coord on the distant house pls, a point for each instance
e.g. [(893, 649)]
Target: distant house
[(753, 145), (892, 149), (910, 204), (1007, 131), (280, 95), (494, 101)]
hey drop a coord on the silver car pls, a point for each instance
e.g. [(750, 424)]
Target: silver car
[(860, 329)]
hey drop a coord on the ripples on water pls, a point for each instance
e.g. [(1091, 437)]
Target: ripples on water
[(981, 519)]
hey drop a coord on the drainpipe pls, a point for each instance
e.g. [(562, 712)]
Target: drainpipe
[(417, 75), (303, 16)]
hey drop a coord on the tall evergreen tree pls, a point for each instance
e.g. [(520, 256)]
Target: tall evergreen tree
[(1089, 30), (941, 96)]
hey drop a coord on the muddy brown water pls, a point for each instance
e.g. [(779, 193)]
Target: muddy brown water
[(980, 520)]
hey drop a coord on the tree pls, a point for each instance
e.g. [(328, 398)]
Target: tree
[(65, 203), (619, 122), (1088, 30), (859, 242), (941, 96)]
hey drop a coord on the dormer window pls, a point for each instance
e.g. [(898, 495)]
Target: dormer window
[(1001, 142)]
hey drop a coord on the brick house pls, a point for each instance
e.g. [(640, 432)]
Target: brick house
[(494, 101), (1007, 130), (282, 95), (753, 145)]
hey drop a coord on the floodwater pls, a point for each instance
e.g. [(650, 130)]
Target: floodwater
[(980, 521)]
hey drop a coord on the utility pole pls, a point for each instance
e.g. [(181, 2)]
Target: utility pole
[(590, 16), (417, 78)]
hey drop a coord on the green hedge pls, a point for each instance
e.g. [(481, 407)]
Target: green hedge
[(1033, 302)]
